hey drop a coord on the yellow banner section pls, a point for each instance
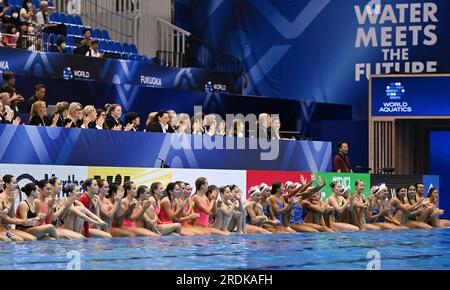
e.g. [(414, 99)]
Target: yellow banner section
[(141, 176)]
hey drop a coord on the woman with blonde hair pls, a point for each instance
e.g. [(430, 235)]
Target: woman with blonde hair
[(38, 115), (75, 117), (89, 117), (61, 113)]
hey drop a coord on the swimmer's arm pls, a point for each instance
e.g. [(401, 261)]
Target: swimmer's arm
[(81, 215), (277, 210), (312, 207), (21, 212), (255, 219), (336, 207), (200, 206), (227, 210), (393, 221), (401, 206), (12, 221), (308, 193), (137, 216)]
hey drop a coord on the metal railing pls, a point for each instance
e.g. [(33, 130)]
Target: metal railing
[(31, 42), (179, 48), (172, 43)]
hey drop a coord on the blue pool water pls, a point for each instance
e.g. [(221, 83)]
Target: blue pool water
[(413, 249)]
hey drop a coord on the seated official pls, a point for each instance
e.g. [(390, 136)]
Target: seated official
[(160, 124), (61, 45), (113, 118), (38, 115), (132, 119)]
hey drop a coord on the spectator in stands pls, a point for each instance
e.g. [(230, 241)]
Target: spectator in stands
[(85, 44), (24, 40), (93, 51), (61, 45), (36, 44), (38, 115), (222, 131), (341, 162), (264, 127), (100, 122), (27, 11), (210, 125), (39, 95), (150, 119), (10, 37), (4, 8), (75, 116), (184, 124), (7, 116), (62, 110), (14, 98), (132, 118), (89, 117), (173, 119), (160, 124), (196, 124), (42, 16), (238, 129), (15, 17), (113, 118)]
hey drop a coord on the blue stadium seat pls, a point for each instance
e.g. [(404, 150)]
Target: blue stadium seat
[(105, 34), (55, 17), (134, 49), (70, 41), (78, 20), (70, 19), (63, 18)]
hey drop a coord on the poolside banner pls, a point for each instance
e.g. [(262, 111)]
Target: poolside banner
[(32, 173), (346, 180), (146, 176), (255, 178), (114, 71)]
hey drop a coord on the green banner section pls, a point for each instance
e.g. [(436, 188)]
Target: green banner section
[(347, 180)]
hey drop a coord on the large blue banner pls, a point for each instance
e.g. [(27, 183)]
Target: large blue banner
[(114, 71), (61, 146), (323, 50), (394, 96)]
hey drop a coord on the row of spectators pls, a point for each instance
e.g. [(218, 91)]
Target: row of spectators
[(111, 117), (23, 30)]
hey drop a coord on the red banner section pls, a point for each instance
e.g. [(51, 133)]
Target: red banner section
[(269, 177)]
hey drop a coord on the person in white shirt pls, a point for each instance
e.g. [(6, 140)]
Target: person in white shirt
[(27, 11), (42, 15), (93, 52)]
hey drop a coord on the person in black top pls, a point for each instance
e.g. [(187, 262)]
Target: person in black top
[(160, 123), (85, 44), (61, 112), (60, 45), (133, 119), (4, 8), (113, 116), (38, 115), (8, 87), (39, 95)]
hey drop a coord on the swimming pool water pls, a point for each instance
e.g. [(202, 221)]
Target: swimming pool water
[(412, 249)]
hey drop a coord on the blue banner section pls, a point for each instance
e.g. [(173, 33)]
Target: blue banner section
[(60, 146), (411, 96), (440, 164), (323, 50), (114, 71)]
